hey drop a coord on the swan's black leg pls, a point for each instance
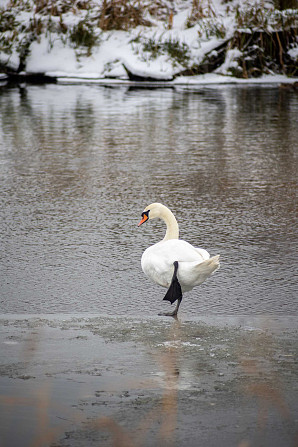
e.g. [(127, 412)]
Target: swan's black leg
[(175, 311), (174, 293)]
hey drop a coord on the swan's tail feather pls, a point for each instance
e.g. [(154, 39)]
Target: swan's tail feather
[(207, 268), (214, 263), (193, 273)]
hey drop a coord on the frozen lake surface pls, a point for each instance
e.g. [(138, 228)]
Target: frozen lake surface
[(84, 380)]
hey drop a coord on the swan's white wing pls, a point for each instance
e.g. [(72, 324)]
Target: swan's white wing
[(157, 268), (203, 253), (179, 250), (157, 260)]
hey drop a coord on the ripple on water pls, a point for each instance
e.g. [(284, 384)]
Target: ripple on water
[(79, 165)]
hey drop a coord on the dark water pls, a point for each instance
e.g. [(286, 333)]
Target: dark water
[(79, 163)]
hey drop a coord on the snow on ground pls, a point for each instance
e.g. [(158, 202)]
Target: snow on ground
[(117, 48), (185, 81), (55, 57)]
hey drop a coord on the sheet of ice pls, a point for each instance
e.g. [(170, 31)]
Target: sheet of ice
[(214, 78)]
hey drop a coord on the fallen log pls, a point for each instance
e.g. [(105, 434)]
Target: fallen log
[(142, 77)]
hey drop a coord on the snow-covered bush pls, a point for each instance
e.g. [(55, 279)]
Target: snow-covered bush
[(263, 36), (174, 49), (255, 17), (83, 34), (200, 10)]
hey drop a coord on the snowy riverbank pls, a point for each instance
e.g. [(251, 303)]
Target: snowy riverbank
[(175, 39)]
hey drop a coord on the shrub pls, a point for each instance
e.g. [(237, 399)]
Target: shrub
[(200, 10), (264, 37), (122, 15), (83, 34), (176, 50)]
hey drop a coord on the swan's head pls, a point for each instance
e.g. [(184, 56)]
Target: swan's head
[(152, 211), (158, 210)]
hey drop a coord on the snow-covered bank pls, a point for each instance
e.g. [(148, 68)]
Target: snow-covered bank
[(208, 79), (176, 38)]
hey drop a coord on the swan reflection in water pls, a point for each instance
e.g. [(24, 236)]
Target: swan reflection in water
[(173, 263)]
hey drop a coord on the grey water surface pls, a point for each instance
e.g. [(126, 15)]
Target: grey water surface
[(85, 359), (78, 164)]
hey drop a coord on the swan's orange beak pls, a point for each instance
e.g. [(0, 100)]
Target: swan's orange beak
[(144, 218)]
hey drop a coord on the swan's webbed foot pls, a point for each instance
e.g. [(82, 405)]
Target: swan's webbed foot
[(170, 314), (174, 293)]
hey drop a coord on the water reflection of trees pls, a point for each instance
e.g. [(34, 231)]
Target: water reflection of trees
[(199, 142), (221, 158)]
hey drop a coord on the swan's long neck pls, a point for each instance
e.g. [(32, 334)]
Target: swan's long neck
[(157, 210), (172, 226)]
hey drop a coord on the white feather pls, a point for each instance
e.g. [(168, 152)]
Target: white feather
[(194, 264)]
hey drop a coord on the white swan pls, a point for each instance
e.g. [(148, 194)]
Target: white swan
[(172, 262)]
